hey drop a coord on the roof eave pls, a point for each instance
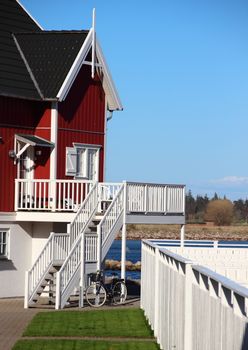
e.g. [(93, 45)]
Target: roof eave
[(65, 88), (113, 99), (19, 3)]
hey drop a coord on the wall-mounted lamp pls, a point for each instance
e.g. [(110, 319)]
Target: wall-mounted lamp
[(110, 115), (12, 154)]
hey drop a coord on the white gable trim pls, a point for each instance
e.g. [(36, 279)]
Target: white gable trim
[(65, 88), (113, 99), (18, 1)]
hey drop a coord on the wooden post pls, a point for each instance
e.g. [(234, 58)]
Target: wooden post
[(26, 296), (124, 235), (182, 235), (123, 250), (82, 277), (188, 307)]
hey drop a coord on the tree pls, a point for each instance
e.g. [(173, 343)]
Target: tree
[(220, 211), (215, 197), (190, 206)]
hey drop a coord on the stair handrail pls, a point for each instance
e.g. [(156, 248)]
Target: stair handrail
[(83, 213), (43, 262), (109, 220), (73, 259)]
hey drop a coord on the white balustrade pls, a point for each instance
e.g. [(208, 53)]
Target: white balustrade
[(155, 198), (50, 195), (189, 306), (56, 248), (91, 248), (84, 214), (109, 221)]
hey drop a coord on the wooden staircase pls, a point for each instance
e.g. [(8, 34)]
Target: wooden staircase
[(47, 289), (58, 270)]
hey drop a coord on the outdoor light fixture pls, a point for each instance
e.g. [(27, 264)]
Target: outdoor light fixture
[(12, 154)]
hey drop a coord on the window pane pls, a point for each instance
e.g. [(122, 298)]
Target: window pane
[(81, 162), (92, 154), (3, 243)]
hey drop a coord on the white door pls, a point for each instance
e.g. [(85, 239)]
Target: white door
[(25, 171), (93, 164)]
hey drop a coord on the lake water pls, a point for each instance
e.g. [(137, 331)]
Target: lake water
[(133, 255)]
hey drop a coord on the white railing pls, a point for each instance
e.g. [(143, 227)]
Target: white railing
[(85, 212), (155, 198), (108, 227), (200, 244), (56, 248), (108, 190), (189, 306), (50, 195), (90, 248)]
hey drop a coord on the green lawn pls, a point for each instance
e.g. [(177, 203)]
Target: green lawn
[(83, 344), (96, 323)]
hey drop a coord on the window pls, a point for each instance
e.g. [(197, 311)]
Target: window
[(82, 161), (4, 243)]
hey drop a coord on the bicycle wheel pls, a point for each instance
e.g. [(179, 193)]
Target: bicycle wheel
[(119, 293), (96, 295)]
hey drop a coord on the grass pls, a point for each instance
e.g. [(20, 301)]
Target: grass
[(95, 323), (83, 344)]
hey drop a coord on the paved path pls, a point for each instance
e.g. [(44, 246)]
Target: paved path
[(14, 319)]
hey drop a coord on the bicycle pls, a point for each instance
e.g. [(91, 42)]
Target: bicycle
[(97, 293)]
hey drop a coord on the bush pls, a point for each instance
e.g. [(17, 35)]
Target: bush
[(220, 211)]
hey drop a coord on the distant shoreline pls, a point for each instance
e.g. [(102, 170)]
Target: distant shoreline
[(192, 231)]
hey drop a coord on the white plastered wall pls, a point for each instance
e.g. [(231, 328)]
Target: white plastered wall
[(41, 231), (12, 271), (26, 241)]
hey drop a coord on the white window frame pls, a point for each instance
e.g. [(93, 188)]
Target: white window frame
[(4, 231), (72, 164)]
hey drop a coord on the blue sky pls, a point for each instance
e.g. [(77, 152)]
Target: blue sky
[(181, 69)]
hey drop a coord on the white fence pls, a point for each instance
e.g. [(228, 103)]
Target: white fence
[(191, 307)]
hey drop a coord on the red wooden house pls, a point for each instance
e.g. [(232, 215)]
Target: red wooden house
[(56, 94)]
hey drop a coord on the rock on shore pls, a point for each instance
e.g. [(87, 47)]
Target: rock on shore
[(116, 265)]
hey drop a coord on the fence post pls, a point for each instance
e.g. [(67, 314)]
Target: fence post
[(124, 235), (182, 235), (99, 247), (82, 278), (188, 307), (16, 194), (26, 295), (69, 239), (52, 247), (156, 293), (58, 282)]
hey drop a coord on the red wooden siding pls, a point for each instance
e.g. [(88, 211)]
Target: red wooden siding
[(43, 129), (18, 117), (82, 118)]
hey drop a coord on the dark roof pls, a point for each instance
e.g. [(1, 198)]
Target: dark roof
[(14, 77), (34, 140), (33, 62), (49, 55)]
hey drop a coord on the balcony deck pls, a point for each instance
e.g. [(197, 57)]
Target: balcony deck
[(59, 200)]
